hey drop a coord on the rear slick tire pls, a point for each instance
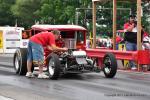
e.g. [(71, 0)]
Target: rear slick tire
[(20, 61)]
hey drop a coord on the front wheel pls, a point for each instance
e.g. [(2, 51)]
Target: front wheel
[(110, 65), (53, 66)]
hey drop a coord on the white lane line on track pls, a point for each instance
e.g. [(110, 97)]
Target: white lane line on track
[(5, 98)]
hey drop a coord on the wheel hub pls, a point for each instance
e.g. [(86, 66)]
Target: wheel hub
[(51, 67), (107, 64), (16, 63)]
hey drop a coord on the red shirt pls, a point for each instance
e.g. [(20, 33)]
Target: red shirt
[(44, 38), (118, 39), (126, 25), (145, 34)]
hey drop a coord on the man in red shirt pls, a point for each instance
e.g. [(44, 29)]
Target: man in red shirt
[(36, 46)]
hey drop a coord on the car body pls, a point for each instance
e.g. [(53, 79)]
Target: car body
[(75, 60)]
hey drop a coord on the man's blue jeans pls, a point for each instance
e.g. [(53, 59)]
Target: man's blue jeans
[(131, 47), (35, 53)]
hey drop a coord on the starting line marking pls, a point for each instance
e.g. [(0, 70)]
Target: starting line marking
[(5, 98)]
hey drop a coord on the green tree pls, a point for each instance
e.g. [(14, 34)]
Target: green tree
[(57, 11), (25, 11), (6, 16)]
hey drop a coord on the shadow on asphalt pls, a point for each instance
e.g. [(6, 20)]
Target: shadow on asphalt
[(7, 73), (83, 76), (72, 76)]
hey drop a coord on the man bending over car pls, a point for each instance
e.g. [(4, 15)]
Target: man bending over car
[(36, 46)]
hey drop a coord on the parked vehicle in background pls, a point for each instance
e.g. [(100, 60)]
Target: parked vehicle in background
[(10, 39)]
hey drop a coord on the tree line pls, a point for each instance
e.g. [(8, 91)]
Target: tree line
[(28, 12)]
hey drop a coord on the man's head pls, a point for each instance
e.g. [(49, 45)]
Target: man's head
[(132, 18), (56, 33)]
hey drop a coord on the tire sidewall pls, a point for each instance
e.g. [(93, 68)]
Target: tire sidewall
[(55, 58), (113, 66)]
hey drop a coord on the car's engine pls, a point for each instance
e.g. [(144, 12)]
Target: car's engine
[(75, 60)]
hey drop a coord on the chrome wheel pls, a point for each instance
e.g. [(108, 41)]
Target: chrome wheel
[(20, 61), (51, 67), (16, 63), (107, 64)]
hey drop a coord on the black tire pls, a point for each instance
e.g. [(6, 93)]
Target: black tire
[(110, 65), (53, 66), (20, 61)]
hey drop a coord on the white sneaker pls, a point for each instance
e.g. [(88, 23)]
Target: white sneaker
[(29, 75), (43, 75), (133, 68)]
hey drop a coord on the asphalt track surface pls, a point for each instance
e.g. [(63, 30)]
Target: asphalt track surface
[(87, 86)]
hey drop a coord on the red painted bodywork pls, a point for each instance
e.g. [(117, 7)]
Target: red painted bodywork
[(69, 29), (141, 57)]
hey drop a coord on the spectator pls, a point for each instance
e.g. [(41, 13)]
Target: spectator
[(25, 35), (88, 44), (36, 46), (146, 43), (118, 40), (131, 37), (146, 39)]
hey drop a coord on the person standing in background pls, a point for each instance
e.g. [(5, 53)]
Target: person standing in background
[(130, 29)]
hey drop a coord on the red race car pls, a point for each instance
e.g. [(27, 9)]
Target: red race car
[(75, 60)]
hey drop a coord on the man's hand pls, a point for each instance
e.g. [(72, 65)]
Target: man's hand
[(132, 25), (60, 51), (130, 28), (55, 48), (65, 49)]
